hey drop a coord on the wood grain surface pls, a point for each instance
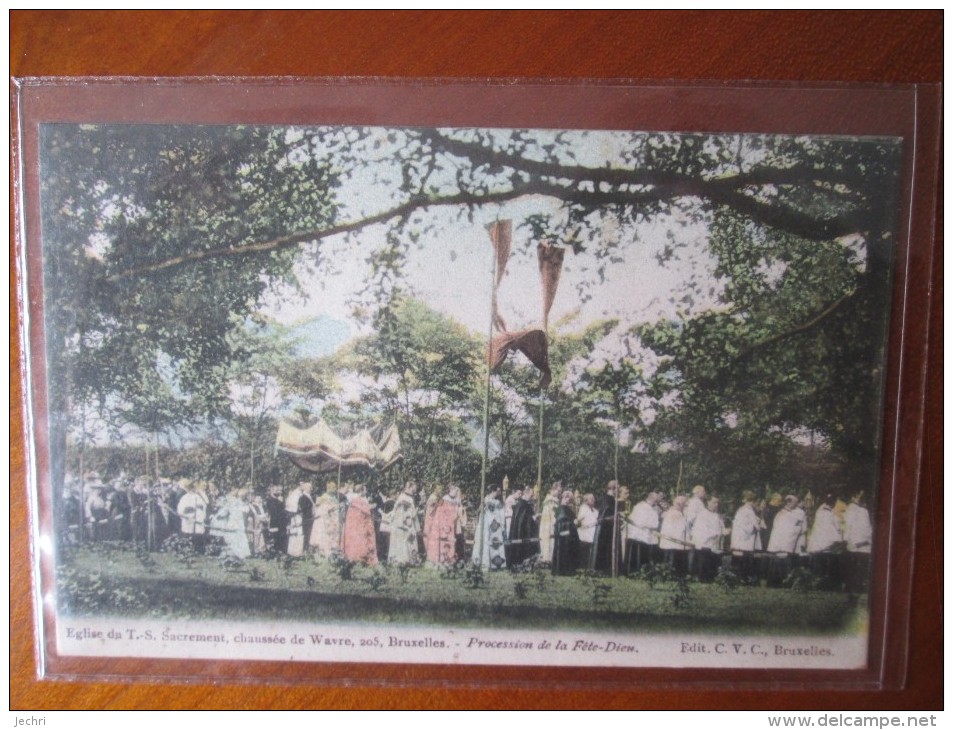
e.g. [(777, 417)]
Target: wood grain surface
[(861, 46)]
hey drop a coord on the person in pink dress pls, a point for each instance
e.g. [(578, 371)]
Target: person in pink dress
[(445, 525), (358, 541)]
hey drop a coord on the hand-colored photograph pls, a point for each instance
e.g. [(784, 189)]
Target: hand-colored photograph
[(464, 395)]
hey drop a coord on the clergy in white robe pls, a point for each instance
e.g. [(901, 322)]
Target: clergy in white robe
[(695, 506), (789, 528), (746, 537), (404, 528), (858, 532), (489, 537), (547, 522), (228, 523), (327, 529), (642, 533), (586, 521), (787, 540), (673, 536), (192, 510), (707, 534), (823, 542)]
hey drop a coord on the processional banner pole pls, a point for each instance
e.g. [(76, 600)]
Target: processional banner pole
[(489, 344)]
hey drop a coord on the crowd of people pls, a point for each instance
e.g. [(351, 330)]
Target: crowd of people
[(765, 541)]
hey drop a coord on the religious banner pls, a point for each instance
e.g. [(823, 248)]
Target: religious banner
[(550, 266)]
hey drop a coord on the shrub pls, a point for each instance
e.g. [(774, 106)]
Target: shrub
[(802, 580), (727, 579), (473, 576)]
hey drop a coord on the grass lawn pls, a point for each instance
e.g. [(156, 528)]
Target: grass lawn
[(113, 580)]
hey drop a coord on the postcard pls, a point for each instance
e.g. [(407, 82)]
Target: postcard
[(461, 395)]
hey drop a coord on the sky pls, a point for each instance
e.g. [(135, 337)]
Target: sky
[(451, 267)]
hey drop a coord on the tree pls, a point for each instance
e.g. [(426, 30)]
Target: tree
[(423, 370), (117, 197), (800, 228)]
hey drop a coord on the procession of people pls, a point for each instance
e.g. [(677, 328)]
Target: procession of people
[(610, 534)]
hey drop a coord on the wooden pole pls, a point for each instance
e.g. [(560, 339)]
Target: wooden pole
[(615, 532), (486, 398), (539, 455), (615, 470), (157, 456)]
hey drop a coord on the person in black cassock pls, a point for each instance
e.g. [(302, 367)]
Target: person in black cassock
[(607, 543), (277, 536), (565, 538), (523, 538)]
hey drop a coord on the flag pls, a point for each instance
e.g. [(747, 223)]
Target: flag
[(550, 267), (501, 236), (531, 343)]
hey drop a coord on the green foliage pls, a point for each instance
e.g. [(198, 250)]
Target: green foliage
[(727, 579), (425, 369), (314, 592), (376, 580), (154, 350), (160, 244), (80, 593), (802, 580), (657, 574), (599, 587), (342, 567), (473, 576)]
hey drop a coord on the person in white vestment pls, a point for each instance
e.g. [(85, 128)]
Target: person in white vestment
[(787, 540), (547, 521), (192, 510), (586, 521), (789, 528), (695, 506), (824, 542), (673, 536), (404, 528), (746, 537), (708, 532), (858, 533), (508, 504), (642, 533), (228, 523), (488, 537)]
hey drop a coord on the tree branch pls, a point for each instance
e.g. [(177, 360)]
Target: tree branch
[(563, 182), (813, 322), (799, 174), (728, 190)]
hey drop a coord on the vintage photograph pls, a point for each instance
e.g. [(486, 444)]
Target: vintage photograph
[(464, 395)]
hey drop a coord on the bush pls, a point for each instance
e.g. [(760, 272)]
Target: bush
[(82, 593), (342, 567), (727, 579), (473, 576), (802, 580)]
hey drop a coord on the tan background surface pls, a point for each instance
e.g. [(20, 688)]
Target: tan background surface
[(858, 46)]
